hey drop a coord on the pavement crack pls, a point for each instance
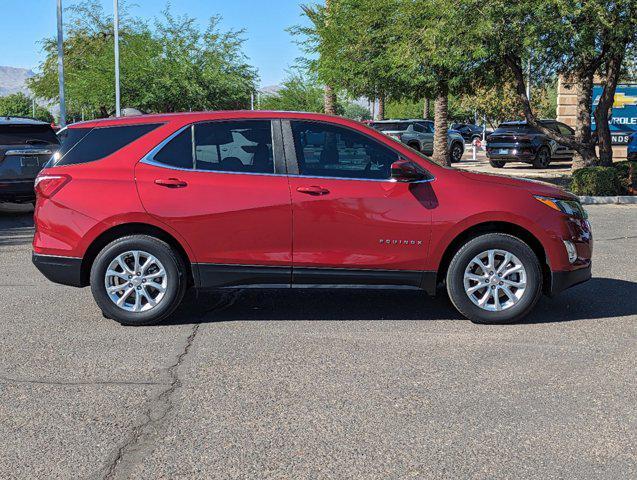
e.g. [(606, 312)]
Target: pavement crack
[(159, 406), (63, 383), (627, 237)]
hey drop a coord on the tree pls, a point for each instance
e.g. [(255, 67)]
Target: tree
[(435, 53), (500, 102), (19, 105), (571, 38), (300, 92), (173, 66), (349, 39)]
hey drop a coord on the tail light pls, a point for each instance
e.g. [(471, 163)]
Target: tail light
[(48, 185)]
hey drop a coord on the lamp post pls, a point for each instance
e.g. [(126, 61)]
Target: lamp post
[(118, 110), (61, 67)]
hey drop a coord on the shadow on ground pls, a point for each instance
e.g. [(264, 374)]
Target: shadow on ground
[(597, 299)]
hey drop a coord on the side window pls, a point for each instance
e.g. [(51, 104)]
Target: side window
[(178, 151), (240, 146), (565, 129), (99, 142), (326, 150), (418, 127), (428, 127)]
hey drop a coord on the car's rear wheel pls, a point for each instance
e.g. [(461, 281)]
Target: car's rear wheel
[(497, 163), (542, 158), (138, 280), (414, 145), (456, 152), (494, 278)]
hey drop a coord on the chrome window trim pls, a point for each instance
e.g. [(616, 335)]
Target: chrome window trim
[(148, 159)]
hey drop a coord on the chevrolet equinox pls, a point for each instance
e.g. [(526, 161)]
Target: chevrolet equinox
[(142, 208)]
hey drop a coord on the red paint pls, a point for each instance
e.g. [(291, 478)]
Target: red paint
[(281, 220)]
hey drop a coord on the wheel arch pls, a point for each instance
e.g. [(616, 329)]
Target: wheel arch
[(135, 228), (496, 227)]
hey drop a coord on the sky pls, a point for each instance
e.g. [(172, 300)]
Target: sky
[(268, 45)]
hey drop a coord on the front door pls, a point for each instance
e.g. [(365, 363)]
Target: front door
[(216, 184), (350, 221)]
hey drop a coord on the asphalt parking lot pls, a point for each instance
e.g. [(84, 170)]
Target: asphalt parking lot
[(320, 383)]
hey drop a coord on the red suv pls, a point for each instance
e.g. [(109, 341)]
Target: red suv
[(143, 208)]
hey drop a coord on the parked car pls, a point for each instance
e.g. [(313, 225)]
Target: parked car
[(419, 135), (142, 208), (632, 147), (25, 146), (468, 131), (520, 142)]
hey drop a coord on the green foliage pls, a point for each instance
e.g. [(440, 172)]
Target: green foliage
[(404, 108), (171, 67), (19, 105), (623, 172), (299, 92), (354, 111), (602, 181), (500, 102)]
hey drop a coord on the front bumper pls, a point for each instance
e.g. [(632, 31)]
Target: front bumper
[(63, 270), (560, 281)]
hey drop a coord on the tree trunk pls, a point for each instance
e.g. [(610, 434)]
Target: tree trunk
[(381, 107), (441, 145), (329, 100), (604, 107), (426, 111), (584, 93)]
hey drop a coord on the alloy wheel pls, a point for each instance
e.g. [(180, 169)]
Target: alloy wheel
[(136, 281), (495, 280)]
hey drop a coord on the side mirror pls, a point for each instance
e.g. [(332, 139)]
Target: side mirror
[(406, 171)]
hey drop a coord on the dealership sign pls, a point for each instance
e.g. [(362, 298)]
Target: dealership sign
[(623, 121)]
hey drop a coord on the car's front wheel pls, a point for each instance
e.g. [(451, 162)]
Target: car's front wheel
[(494, 278), (138, 280), (497, 163)]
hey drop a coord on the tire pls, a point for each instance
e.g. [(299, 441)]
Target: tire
[(497, 163), (456, 151), (414, 145), (173, 282), (542, 158), (458, 286)]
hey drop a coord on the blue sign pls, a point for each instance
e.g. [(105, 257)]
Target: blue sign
[(623, 121)]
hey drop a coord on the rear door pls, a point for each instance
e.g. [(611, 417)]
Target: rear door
[(351, 223), (427, 138), (222, 185)]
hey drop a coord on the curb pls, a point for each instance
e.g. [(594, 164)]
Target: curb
[(615, 200)]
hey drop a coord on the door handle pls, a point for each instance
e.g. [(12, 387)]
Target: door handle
[(170, 182), (313, 190)]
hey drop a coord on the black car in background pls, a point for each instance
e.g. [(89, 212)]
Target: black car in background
[(25, 146), (468, 131), (520, 142)]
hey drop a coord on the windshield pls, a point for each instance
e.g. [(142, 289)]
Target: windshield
[(26, 135)]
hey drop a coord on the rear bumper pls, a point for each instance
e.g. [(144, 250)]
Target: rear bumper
[(63, 270), (17, 191), (560, 281)]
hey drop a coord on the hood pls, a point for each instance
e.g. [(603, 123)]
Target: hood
[(534, 186)]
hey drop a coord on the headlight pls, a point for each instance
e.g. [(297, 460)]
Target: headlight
[(569, 207)]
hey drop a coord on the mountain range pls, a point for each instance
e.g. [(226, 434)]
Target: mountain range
[(13, 80)]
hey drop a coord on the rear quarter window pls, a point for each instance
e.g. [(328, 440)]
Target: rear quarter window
[(83, 145)]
